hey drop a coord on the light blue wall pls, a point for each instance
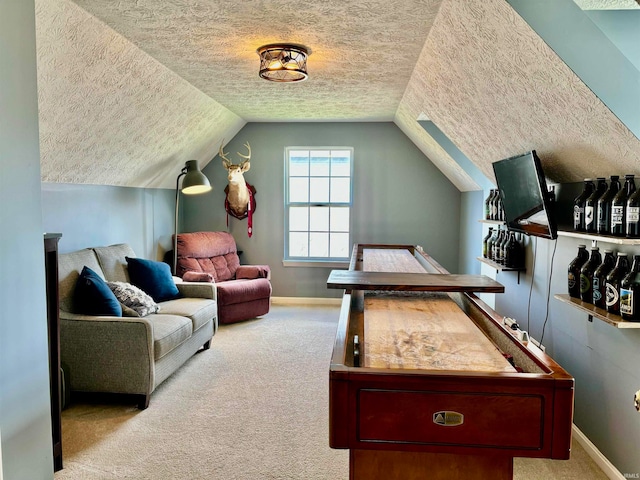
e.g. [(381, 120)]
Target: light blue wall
[(399, 197), (622, 27), (93, 215), (472, 203), (588, 52), (25, 422), (471, 231)]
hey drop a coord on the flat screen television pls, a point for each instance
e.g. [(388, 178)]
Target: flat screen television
[(525, 196)]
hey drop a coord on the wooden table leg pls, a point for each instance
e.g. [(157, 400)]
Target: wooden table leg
[(391, 465)]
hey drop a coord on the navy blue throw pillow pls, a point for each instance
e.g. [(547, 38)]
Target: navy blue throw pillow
[(154, 278), (92, 296)]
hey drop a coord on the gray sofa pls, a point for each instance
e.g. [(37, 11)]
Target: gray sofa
[(129, 355)]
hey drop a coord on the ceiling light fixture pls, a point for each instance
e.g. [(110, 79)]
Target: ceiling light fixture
[(280, 62)]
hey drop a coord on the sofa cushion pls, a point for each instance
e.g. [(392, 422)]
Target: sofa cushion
[(198, 310), (169, 331), (237, 291), (69, 267), (153, 277), (113, 263), (92, 295), (134, 298)]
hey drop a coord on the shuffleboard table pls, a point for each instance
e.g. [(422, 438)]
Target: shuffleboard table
[(425, 380)]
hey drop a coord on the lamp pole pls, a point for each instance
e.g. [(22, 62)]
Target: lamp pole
[(183, 172), (194, 183)]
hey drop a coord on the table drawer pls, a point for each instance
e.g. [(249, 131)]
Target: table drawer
[(429, 418)]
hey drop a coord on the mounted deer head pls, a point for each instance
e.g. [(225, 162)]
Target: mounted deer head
[(240, 201)]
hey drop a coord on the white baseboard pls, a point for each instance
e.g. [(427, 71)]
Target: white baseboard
[(605, 465), (305, 301)]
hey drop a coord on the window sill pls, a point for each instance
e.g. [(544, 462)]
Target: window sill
[(316, 263)]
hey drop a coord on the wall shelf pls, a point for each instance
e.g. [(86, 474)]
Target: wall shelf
[(593, 311), (600, 238), (501, 268), (493, 222)]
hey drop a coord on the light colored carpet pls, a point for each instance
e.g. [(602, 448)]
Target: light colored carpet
[(254, 406)]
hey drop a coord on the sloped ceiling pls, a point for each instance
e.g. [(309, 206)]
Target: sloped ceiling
[(112, 115), (128, 91), (496, 89)]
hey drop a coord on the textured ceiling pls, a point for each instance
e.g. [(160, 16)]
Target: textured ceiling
[(607, 4), (130, 90), (507, 92), (359, 47)]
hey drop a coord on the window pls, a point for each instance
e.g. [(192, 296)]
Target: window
[(318, 200)]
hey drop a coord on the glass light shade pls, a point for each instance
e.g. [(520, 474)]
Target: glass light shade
[(283, 62), (194, 181)]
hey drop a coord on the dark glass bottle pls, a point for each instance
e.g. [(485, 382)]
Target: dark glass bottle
[(586, 275), (619, 207), (591, 206), (502, 247), (579, 203), (633, 215), (613, 283), (496, 251), (490, 243), (485, 241), (500, 207), (494, 205), (574, 271), (630, 293), (513, 255), (604, 206), (600, 279), (487, 204)]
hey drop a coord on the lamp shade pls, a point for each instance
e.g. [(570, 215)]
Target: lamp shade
[(194, 180), (283, 62)]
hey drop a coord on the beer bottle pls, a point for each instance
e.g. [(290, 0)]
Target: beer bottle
[(503, 247), (586, 275), (630, 293), (600, 279), (487, 207), (619, 206), (484, 242), (633, 215), (574, 271), (496, 252), (579, 203), (500, 206), (591, 206), (613, 283), (604, 206), (494, 205), (513, 252), (490, 243)]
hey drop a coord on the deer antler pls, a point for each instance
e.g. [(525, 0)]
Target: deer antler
[(246, 157), (223, 155)]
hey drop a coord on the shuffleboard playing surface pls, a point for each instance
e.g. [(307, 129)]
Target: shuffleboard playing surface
[(424, 331)]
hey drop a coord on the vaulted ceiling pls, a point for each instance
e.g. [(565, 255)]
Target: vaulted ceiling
[(130, 90)]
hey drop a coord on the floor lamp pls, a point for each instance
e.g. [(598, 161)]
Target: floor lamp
[(193, 183)]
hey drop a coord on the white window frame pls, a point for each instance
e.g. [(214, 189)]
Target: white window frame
[(333, 262)]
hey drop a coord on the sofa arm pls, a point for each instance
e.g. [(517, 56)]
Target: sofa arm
[(249, 272), (197, 289), (108, 354)]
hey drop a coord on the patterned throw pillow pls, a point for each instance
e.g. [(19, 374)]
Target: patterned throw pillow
[(134, 298)]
